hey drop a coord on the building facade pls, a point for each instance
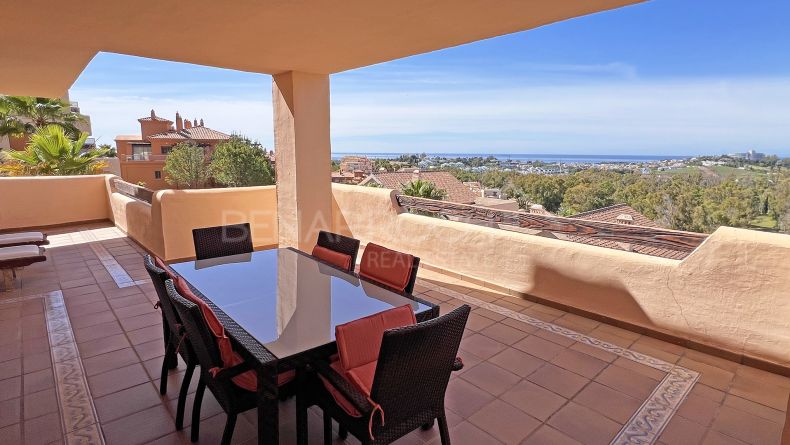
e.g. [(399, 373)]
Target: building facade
[(142, 157)]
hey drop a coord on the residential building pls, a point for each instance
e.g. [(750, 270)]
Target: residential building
[(142, 156), (356, 163), (455, 189)]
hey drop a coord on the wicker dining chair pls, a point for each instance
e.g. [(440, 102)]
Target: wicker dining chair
[(213, 242), (233, 399), (375, 268), (175, 343), (411, 377), (341, 244)]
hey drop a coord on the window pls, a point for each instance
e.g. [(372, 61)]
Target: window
[(141, 152), (157, 174), (166, 149)]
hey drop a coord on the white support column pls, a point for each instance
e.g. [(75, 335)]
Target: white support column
[(303, 154)]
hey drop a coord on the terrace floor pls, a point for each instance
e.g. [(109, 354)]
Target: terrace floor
[(533, 375)]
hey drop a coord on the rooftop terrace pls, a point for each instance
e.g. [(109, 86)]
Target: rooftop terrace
[(81, 350)]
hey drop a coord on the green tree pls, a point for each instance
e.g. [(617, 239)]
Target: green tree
[(238, 163), (21, 115), (423, 189), (378, 164), (51, 152), (186, 166)]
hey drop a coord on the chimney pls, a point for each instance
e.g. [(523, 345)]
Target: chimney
[(201, 122), (624, 218), (153, 115), (415, 175), (187, 124), (179, 122), (194, 124)]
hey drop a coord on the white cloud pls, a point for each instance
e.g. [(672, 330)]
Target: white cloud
[(471, 114)]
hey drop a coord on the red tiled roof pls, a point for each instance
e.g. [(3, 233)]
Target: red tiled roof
[(193, 133), (632, 247), (610, 214), (456, 190), (154, 118)]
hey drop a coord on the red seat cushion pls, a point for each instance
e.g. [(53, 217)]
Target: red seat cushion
[(386, 266), (338, 259), (358, 345), (230, 358)]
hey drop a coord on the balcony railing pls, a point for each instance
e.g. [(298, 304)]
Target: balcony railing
[(145, 157), (131, 190), (674, 240)]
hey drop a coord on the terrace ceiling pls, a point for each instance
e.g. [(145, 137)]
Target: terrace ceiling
[(46, 43)]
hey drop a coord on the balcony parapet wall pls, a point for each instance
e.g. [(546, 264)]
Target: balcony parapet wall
[(162, 221), (732, 292)]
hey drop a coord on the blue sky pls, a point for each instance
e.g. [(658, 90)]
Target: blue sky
[(664, 77)]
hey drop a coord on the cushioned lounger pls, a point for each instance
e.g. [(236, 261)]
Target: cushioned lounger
[(20, 256), (22, 238)]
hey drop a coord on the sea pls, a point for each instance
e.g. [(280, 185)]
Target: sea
[(524, 157)]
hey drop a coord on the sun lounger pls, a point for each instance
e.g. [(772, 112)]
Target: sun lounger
[(14, 257), (23, 238)]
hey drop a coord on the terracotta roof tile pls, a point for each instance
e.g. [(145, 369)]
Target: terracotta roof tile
[(154, 118), (456, 190), (193, 133), (610, 214)]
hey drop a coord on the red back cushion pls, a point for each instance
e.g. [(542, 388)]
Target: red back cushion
[(161, 264), (338, 259), (229, 357), (386, 266), (359, 341)]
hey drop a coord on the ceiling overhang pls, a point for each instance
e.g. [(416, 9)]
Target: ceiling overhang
[(263, 36)]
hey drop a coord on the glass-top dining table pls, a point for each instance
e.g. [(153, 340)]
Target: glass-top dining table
[(280, 307)]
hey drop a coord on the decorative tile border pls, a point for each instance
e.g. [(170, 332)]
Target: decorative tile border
[(646, 425), (80, 421), (116, 271)]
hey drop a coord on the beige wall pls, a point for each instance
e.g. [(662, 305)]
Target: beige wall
[(732, 292), (51, 200), (183, 210)]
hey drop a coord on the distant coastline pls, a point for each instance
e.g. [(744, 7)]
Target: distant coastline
[(523, 157)]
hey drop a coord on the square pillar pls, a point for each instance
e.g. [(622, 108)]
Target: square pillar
[(303, 155)]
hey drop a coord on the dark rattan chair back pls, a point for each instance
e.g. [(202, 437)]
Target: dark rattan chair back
[(175, 343), (413, 277), (414, 368), (340, 243), (197, 331), (158, 277), (213, 242)]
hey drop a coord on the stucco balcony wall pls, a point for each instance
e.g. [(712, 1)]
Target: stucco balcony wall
[(733, 292), (35, 201), (163, 227)]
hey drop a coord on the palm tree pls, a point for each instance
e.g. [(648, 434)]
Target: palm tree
[(423, 189), (21, 115), (51, 152)]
